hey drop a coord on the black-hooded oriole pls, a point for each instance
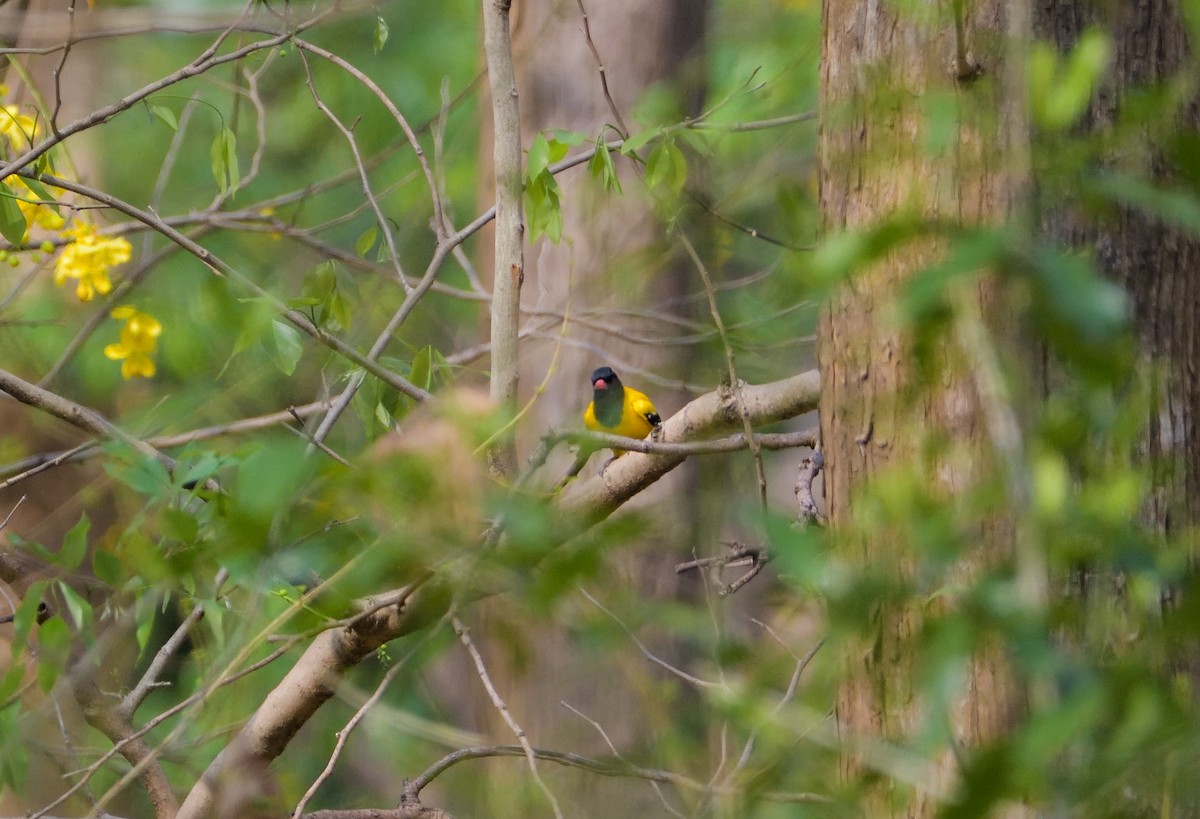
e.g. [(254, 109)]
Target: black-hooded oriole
[(619, 409)]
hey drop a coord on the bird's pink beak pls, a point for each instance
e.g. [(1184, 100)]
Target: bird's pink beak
[(600, 384)]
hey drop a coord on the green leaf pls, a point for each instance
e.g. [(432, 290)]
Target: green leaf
[(381, 34), (339, 309), (601, 167), (43, 195), (200, 469), (558, 150), (539, 157), (26, 615), (638, 141), (421, 372), (144, 475), (107, 567), (54, 647), (12, 221), (166, 115), (666, 166), (79, 609), (14, 756), (180, 524), (320, 281), (1061, 90), (366, 241), (569, 137), (383, 416), (302, 301), (223, 154), (287, 347), (74, 547), (214, 616), (543, 208)]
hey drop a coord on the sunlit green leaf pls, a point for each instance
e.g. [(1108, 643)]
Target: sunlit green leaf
[(74, 547), (366, 241), (166, 115), (12, 221), (287, 348), (539, 157), (381, 34)]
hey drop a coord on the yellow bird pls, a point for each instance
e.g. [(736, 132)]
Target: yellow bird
[(618, 409)]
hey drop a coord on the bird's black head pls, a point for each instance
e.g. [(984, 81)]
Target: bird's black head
[(603, 378)]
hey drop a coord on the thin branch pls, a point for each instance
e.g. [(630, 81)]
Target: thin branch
[(29, 466), (221, 268), (612, 106), (76, 415), (647, 653), (588, 764), (150, 680), (344, 735), (207, 60), (787, 697), (305, 688), (662, 797), (464, 637), (584, 502), (810, 467), (714, 310)]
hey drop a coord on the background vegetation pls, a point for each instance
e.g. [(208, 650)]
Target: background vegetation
[(358, 610)]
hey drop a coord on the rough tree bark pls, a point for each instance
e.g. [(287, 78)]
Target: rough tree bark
[(1154, 262), (879, 65)]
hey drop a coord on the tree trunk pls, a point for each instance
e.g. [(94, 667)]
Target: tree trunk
[(1153, 261), (881, 67), (878, 68)]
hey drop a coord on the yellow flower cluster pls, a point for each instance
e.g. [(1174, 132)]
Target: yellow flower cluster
[(21, 129), (88, 260), (88, 257), (139, 338)]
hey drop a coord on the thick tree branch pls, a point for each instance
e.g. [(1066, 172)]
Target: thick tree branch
[(76, 415), (311, 682), (585, 502)]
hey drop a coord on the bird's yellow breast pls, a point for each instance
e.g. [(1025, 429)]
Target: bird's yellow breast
[(636, 413)]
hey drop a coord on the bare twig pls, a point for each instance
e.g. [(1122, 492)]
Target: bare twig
[(344, 734), (793, 684), (756, 557), (33, 464), (76, 415), (810, 467), (587, 764), (617, 755), (734, 381), (584, 502), (647, 653), (221, 268), (612, 106), (150, 680), (481, 670)]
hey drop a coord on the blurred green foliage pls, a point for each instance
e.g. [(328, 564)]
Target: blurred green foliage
[(1109, 727)]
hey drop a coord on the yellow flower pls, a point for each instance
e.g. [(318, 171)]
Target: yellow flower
[(20, 129), (139, 338), (88, 260)]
